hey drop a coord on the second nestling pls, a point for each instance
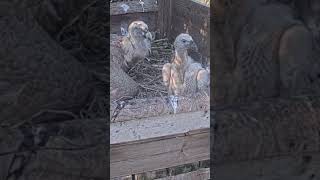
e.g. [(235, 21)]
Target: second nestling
[(183, 76)]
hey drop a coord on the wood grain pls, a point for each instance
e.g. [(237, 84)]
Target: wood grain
[(165, 18), (134, 7), (152, 145), (153, 127), (193, 18), (118, 21), (201, 174), (159, 153)]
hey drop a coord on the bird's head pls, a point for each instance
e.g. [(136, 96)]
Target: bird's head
[(139, 30), (184, 42)]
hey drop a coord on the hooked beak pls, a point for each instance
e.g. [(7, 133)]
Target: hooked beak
[(193, 46), (148, 35)]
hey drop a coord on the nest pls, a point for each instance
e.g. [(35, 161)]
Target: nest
[(148, 73)]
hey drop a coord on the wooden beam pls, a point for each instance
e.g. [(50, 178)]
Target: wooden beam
[(139, 146), (153, 127), (193, 18), (201, 2), (116, 8), (165, 18), (201, 174)]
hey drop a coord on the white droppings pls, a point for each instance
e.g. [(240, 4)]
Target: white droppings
[(125, 7), (124, 32), (142, 5), (174, 102)]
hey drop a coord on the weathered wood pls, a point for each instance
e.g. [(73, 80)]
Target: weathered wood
[(304, 167), (157, 145), (159, 153), (201, 174), (157, 106), (134, 7), (266, 129), (118, 21), (203, 2), (128, 131), (165, 18), (192, 17)]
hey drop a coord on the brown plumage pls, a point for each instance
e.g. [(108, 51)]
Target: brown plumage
[(184, 76), (125, 53)]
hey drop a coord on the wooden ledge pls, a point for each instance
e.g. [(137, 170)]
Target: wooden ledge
[(133, 7), (159, 142)]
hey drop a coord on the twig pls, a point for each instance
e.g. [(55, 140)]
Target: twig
[(158, 90)]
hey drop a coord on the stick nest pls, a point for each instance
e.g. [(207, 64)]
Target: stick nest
[(148, 73)]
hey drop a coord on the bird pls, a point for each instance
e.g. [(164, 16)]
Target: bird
[(137, 44), (127, 51), (184, 76)]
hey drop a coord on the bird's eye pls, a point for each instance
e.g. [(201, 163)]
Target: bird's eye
[(184, 41)]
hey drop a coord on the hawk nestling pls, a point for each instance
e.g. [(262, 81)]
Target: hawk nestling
[(125, 53), (137, 45), (183, 76)]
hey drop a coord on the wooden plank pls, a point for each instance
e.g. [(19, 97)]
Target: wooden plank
[(202, 2), (157, 106), (134, 6), (302, 167), (201, 174), (194, 18), (129, 131), (266, 129), (159, 153), (118, 21), (164, 18), (153, 148)]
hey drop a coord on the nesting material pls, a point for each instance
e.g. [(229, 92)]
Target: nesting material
[(148, 73)]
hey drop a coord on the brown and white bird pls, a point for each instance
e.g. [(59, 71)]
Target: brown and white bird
[(183, 76), (125, 53), (137, 44)]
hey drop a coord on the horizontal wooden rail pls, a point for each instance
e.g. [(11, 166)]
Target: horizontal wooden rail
[(158, 142), (134, 6), (200, 174)]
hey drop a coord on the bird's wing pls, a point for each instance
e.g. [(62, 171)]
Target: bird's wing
[(203, 79), (116, 52), (148, 45), (128, 51), (190, 60), (190, 78)]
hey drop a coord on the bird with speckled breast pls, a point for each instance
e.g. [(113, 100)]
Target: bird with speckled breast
[(183, 76), (126, 52)]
